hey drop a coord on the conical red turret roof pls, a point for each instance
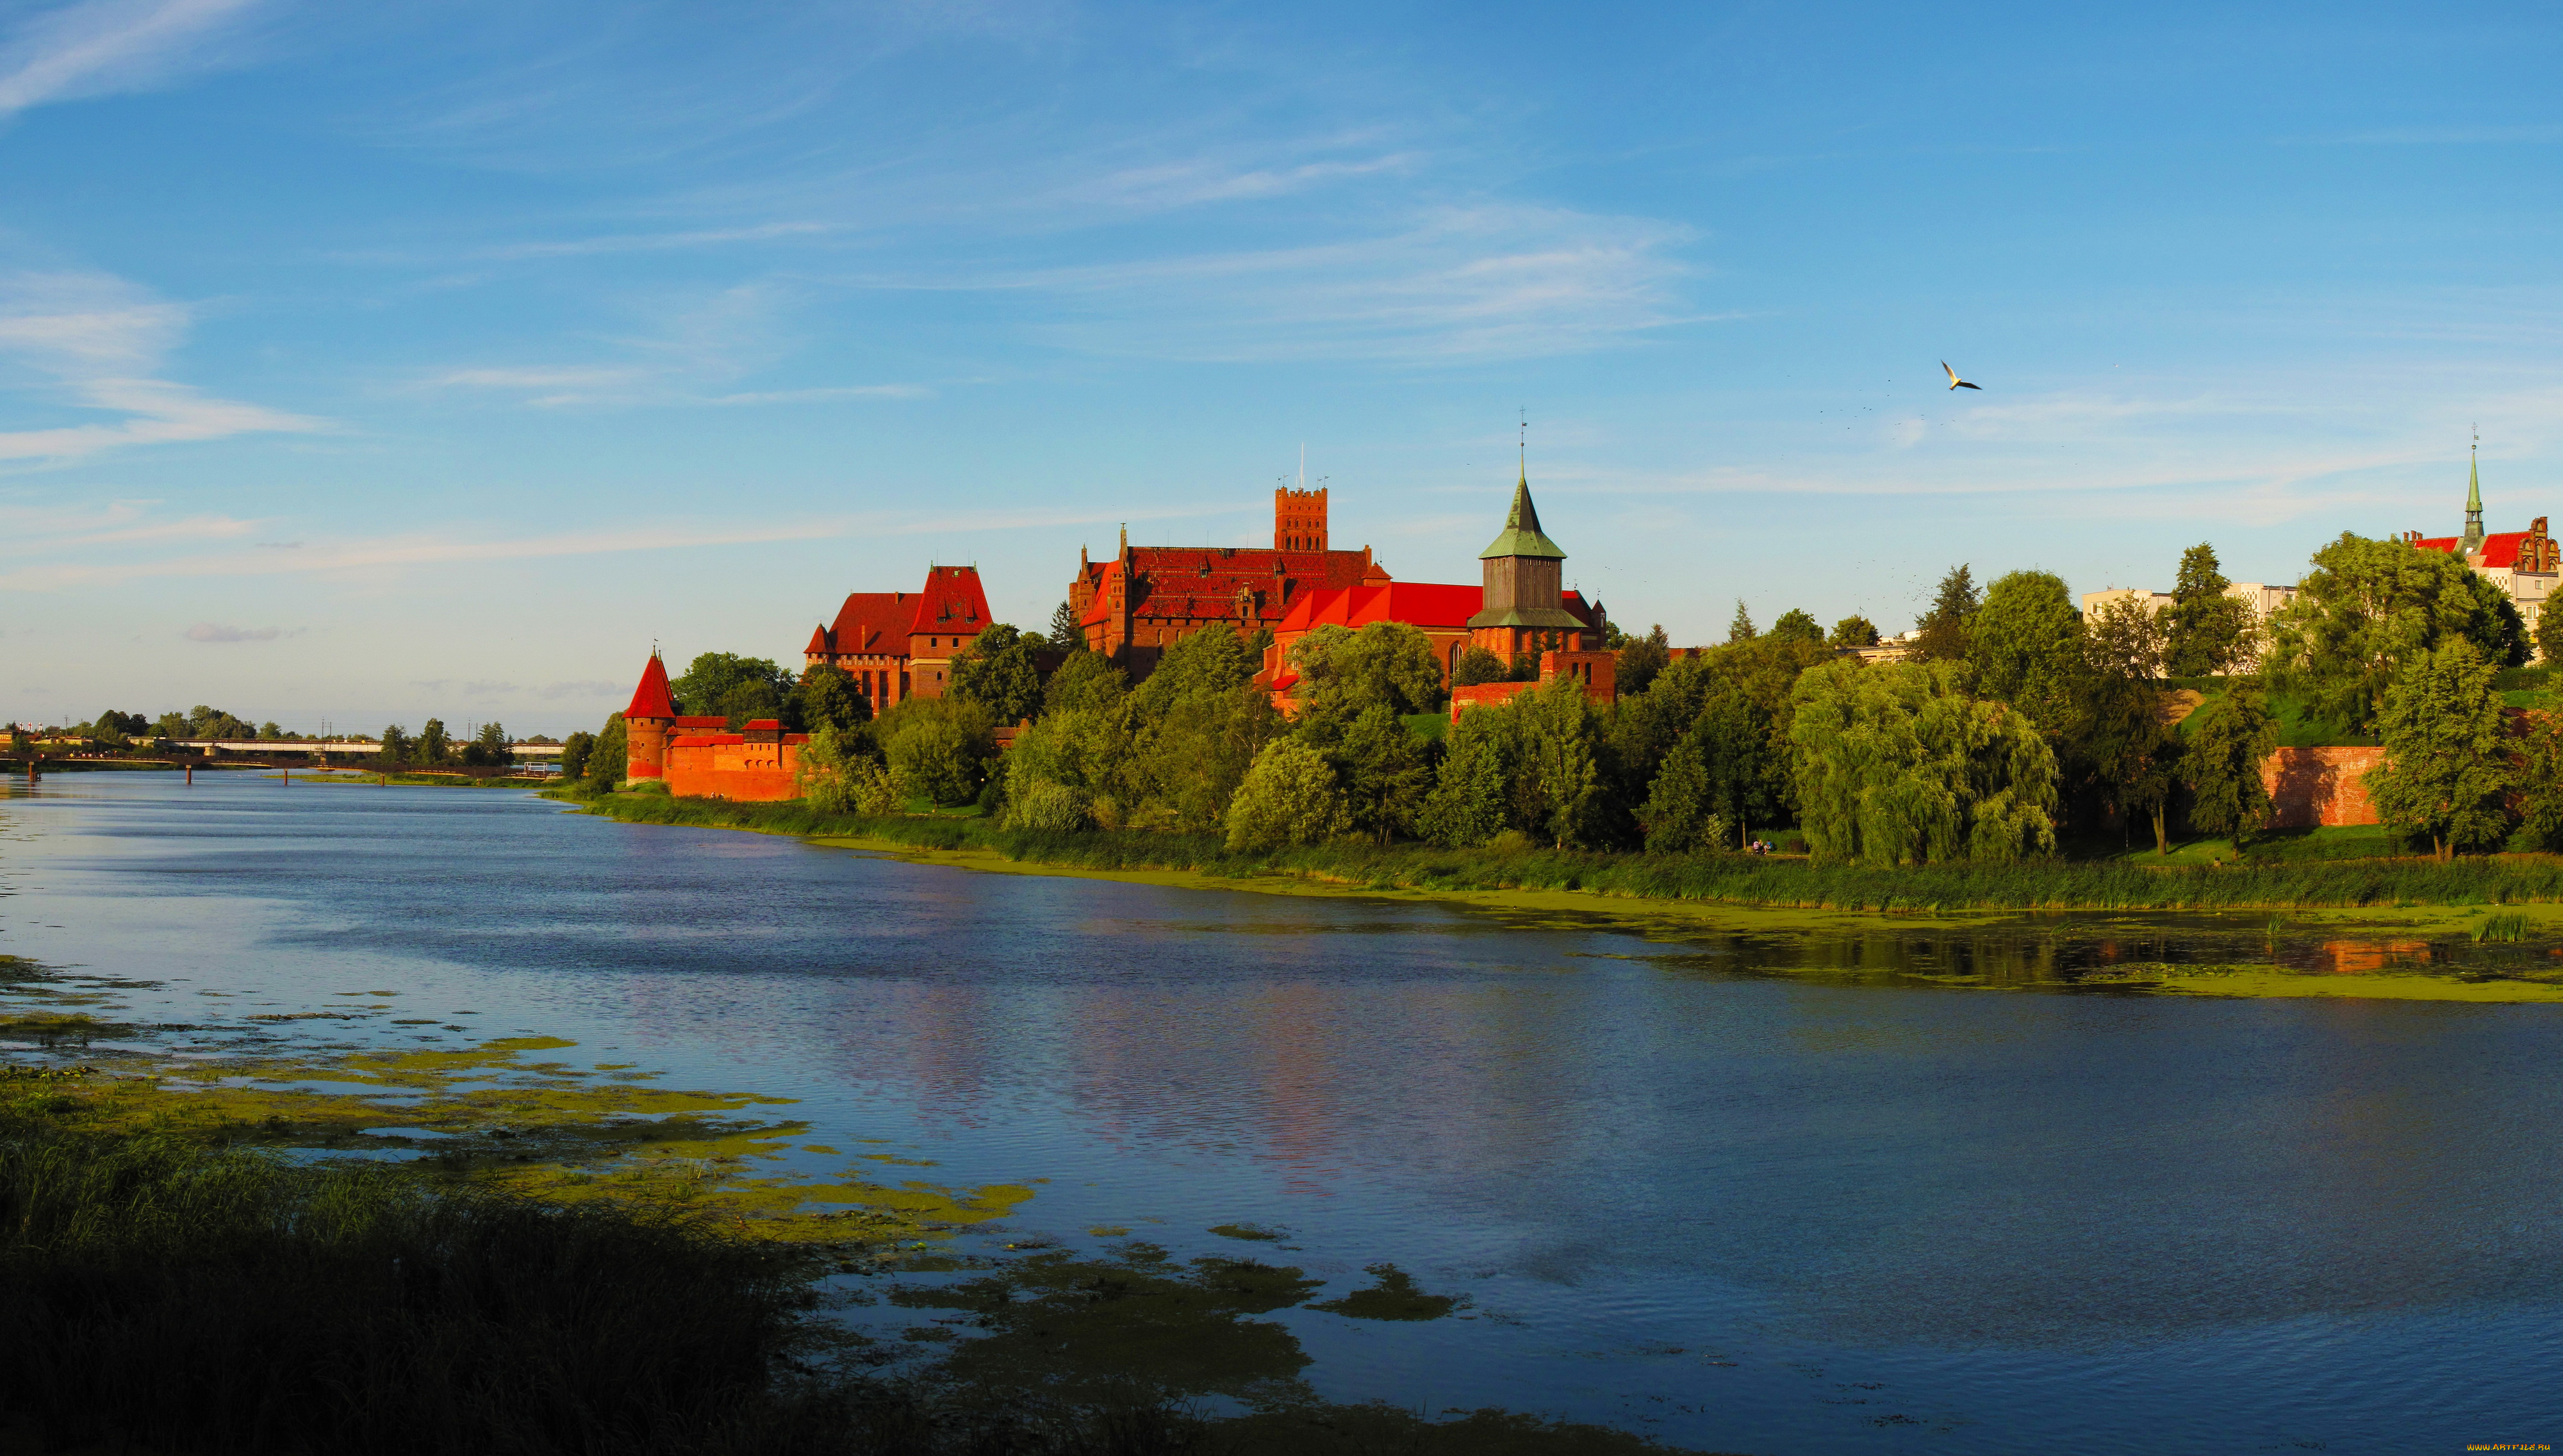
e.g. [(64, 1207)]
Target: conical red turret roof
[(652, 698)]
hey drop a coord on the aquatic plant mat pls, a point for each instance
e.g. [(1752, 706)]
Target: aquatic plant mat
[(227, 1240), (2116, 884)]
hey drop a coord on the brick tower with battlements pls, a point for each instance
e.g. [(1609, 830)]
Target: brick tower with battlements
[(1299, 519)]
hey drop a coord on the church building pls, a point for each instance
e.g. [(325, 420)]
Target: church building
[(1518, 610), (1145, 596), (2525, 565)]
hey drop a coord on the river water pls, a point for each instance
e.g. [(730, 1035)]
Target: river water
[(1686, 1190)]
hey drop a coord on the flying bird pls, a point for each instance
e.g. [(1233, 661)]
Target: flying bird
[(1954, 381)]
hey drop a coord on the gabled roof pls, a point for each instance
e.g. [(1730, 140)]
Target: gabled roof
[(872, 621), (2499, 549), (1421, 603), (953, 602), (652, 698), (1522, 535)]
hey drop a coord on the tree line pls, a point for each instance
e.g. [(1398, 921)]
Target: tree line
[(2013, 720)]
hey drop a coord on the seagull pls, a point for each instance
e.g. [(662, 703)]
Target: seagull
[(1954, 381)]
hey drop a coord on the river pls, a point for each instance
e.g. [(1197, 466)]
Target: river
[(1686, 1188)]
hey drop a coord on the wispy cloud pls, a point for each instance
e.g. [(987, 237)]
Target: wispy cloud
[(370, 557), (96, 341), (654, 242), (207, 632), (101, 47), (1492, 281)]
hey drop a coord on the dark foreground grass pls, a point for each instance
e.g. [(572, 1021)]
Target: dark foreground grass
[(1736, 879), (164, 1295)]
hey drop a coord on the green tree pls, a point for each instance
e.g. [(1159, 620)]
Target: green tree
[(1289, 796), (2540, 772), (1064, 633), (738, 689), (1560, 779), (998, 672), (2204, 632), (2223, 752), (2025, 644), (1854, 630), (2548, 639), (1640, 659), (2447, 768), (1384, 665), (1896, 764), (1721, 771), (434, 746), (829, 697), (941, 747), (172, 725), (611, 757), (1386, 771), (573, 755), (1478, 665), (1795, 625), (489, 748), (1206, 663), (2370, 610), (1740, 628), (396, 747), (1944, 628), (1471, 794), (1085, 683)]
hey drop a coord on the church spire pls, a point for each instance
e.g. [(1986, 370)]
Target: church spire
[(2473, 541), (1522, 535)]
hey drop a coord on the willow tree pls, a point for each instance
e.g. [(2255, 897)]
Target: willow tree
[(1899, 765)]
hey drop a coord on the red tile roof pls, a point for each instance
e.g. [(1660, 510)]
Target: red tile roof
[(652, 698), (2500, 548), (870, 621), (953, 602), (1424, 604)]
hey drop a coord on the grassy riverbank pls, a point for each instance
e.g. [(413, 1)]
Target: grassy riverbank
[(1731, 879)]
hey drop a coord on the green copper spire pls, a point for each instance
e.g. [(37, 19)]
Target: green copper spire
[(2473, 541), (1521, 534)]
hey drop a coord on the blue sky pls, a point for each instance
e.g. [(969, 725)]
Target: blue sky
[(365, 362)]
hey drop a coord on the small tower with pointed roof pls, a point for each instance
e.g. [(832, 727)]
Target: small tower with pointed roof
[(647, 722), (1522, 571)]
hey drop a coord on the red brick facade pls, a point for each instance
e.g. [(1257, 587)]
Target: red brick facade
[(1147, 597), (897, 645), (2311, 787), (1598, 671), (760, 762)]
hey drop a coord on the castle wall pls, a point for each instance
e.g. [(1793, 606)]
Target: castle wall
[(732, 766), (2310, 787)]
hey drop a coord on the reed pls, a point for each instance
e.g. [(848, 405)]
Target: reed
[(2036, 884)]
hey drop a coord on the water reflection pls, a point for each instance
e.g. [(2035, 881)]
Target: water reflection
[(2089, 1218)]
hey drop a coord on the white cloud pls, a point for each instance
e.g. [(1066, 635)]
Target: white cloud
[(206, 631), (101, 47), (98, 340), (1461, 283)]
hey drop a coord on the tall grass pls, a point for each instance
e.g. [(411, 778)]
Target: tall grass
[(1726, 878)]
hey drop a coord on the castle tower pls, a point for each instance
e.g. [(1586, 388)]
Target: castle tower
[(2473, 544), (647, 722), (1524, 571), (1299, 519)]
